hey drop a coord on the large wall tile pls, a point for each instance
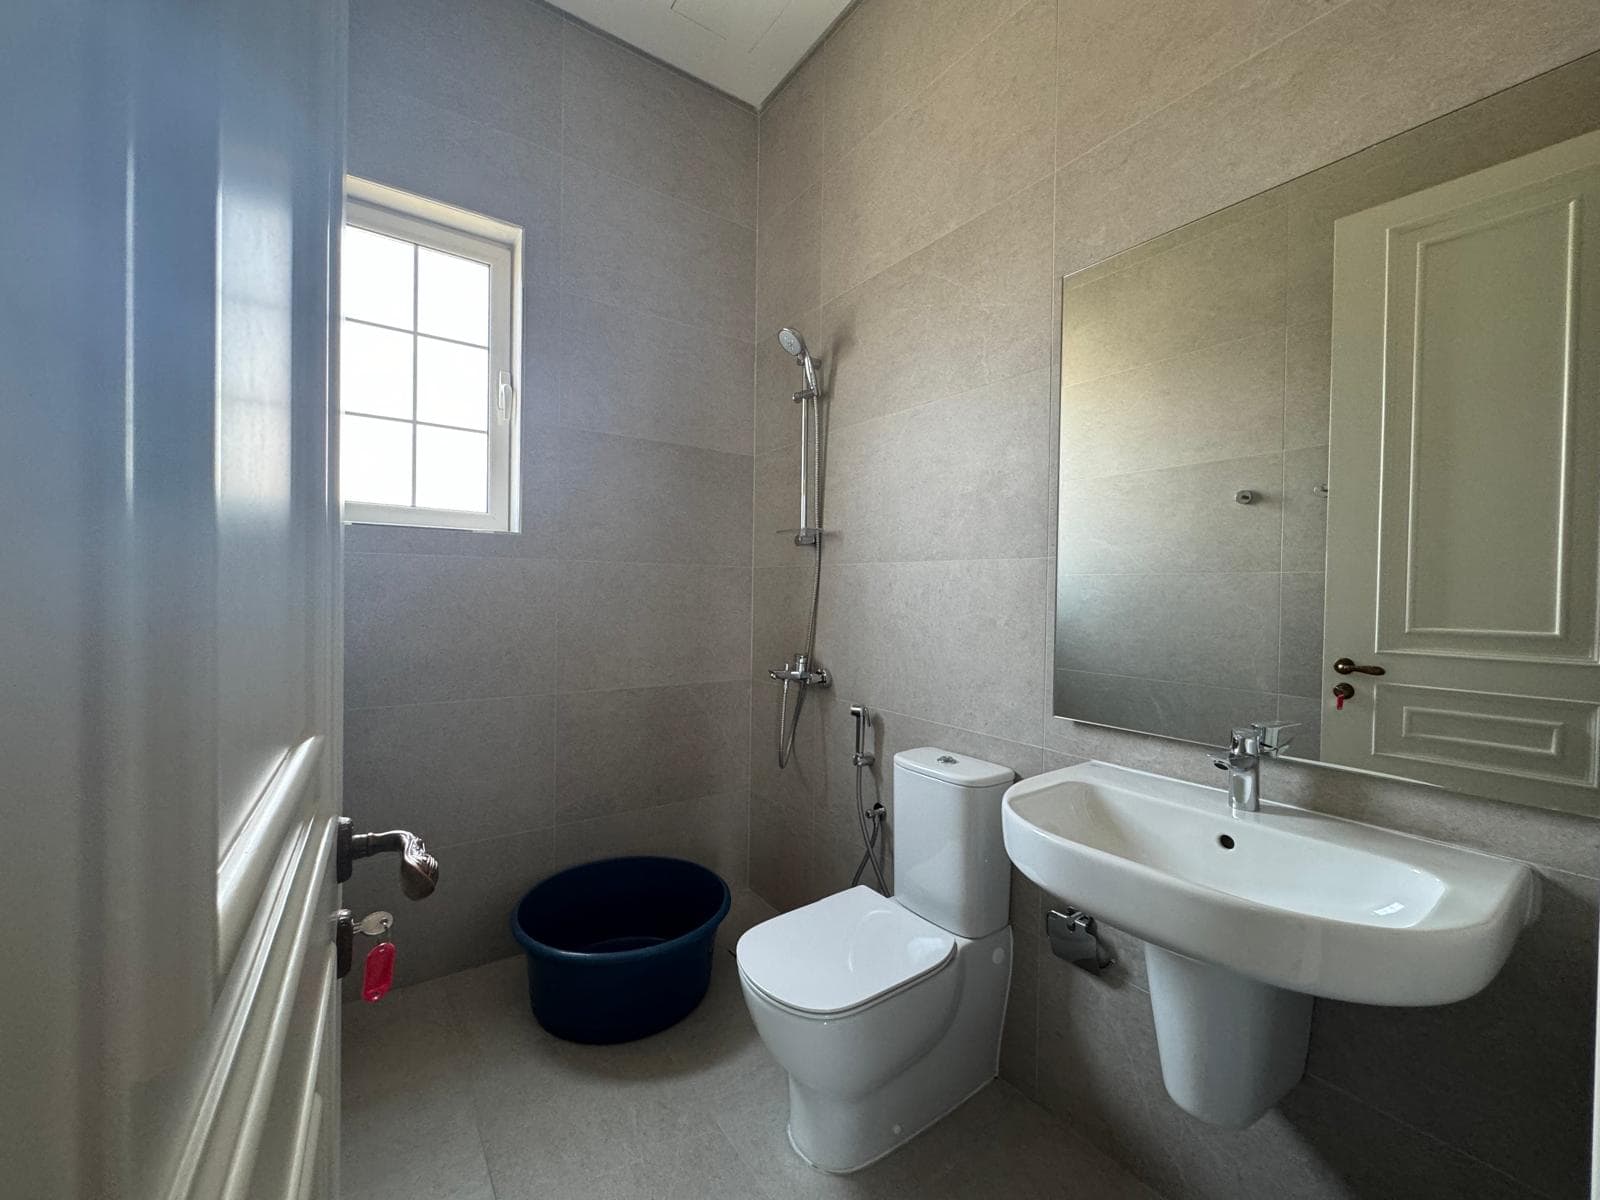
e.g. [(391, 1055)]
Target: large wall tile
[(980, 134), (634, 248), (1336, 85), (988, 450), (636, 118), (888, 52), (973, 308), (623, 371), (780, 844), (397, 139), (776, 508), (496, 61), (422, 627), (361, 538), (1201, 629), (790, 140), (1219, 288), (1179, 520), (461, 771), (711, 830), (623, 750), (782, 608), (1119, 64), (1019, 1039), (1300, 643), (1224, 401), (626, 499), (789, 265), (1279, 18), (952, 642), (628, 624), (1193, 712), (1305, 391), (1305, 510), (803, 782)]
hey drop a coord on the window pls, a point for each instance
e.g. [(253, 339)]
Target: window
[(426, 391)]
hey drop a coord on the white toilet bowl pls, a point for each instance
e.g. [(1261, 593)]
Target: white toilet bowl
[(884, 1021)]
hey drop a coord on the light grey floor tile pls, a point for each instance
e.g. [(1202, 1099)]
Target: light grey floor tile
[(408, 1126), (699, 1112)]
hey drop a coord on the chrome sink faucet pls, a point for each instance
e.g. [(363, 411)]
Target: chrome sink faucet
[(1242, 761)]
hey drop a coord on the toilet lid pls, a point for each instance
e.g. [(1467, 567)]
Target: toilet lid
[(842, 952)]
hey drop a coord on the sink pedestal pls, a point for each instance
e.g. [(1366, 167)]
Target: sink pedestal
[(1230, 1047)]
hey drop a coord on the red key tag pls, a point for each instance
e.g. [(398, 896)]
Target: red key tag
[(378, 973)]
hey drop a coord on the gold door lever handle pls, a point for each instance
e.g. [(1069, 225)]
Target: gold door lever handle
[(1347, 666)]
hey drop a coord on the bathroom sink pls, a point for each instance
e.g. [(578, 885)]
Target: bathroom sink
[(1286, 897)]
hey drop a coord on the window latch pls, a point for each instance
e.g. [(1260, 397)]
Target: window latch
[(505, 397)]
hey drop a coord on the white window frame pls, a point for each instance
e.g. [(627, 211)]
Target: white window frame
[(439, 226)]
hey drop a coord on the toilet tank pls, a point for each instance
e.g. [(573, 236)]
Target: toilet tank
[(950, 862)]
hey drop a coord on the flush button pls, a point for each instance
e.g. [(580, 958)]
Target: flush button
[(945, 758)]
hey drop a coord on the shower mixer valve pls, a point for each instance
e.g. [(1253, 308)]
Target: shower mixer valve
[(803, 671)]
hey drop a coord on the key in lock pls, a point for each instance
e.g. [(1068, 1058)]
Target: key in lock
[(375, 924), (378, 969), (377, 975)]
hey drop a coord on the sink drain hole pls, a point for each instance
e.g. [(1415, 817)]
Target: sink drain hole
[(1225, 842)]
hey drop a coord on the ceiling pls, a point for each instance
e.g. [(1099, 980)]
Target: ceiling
[(743, 47)]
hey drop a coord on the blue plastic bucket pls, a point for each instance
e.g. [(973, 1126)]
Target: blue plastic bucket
[(621, 948)]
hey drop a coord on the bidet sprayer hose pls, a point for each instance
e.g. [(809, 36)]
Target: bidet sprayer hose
[(873, 852)]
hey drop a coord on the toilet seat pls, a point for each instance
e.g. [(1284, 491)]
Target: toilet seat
[(842, 953)]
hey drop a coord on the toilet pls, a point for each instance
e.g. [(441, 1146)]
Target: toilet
[(886, 1012)]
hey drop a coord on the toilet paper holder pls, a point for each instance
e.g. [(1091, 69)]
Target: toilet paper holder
[(1073, 936)]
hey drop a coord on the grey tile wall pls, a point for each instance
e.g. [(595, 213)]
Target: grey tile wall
[(580, 688), (935, 267)]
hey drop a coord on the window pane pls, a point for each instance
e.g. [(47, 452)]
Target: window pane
[(375, 283), (452, 384), (375, 371), (375, 460), (452, 297), (452, 469)]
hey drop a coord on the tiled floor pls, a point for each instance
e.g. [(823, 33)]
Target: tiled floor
[(452, 1092)]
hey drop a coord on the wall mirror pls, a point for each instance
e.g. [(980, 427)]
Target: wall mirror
[(1331, 458)]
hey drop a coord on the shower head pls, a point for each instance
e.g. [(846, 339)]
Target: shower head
[(792, 342)]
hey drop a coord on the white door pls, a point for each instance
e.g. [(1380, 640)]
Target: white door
[(172, 193), (1465, 483)]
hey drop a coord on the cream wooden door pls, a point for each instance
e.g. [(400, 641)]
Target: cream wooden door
[(172, 188), (1465, 476)]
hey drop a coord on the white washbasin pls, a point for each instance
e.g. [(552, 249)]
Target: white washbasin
[(1301, 901)]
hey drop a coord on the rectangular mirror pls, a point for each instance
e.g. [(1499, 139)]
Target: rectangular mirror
[(1330, 461)]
